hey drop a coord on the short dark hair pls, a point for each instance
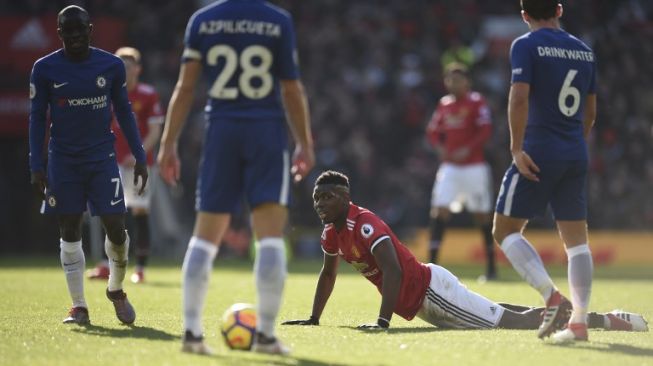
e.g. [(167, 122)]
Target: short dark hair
[(540, 9), (332, 177), (72, 11)]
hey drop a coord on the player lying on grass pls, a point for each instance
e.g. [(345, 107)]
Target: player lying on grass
[(410, 288)]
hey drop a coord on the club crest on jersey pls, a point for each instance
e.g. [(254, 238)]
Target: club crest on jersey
[(355, 252), (32, 91), (101, 82), (367, 230), (52, 201)]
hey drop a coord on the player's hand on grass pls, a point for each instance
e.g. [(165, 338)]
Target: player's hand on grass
[(525, 165), (140, 170), (310, 321), (303, 160), (381, 324), (169, 164), (371, 326), (39, 184)]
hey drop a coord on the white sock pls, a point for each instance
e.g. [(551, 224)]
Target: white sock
[(117, 254), (579, 272), (73, 263), (270, 273), (196, 272), (527, 263)]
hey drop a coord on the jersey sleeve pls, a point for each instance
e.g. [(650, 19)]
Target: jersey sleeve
[(329, 247), (371, 231), (123, 111), (592, 88), (484, 116), (192, 41), (39, 94), (288, 59), (521, 61)]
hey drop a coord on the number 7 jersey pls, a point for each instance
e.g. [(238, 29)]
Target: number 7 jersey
[(561, 72), (245, 47)]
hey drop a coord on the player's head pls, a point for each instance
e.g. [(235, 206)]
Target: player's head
[(74, 28), (540, 10), (132, 59), (456, 78), (331, 197)]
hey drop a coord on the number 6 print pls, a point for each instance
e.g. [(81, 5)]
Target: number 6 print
[(569, 91)]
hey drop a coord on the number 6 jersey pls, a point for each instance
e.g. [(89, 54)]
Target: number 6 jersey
[(561, 72), (246, 47)]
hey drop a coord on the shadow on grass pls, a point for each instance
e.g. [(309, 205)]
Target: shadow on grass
[(133, 331), (398, 330), (609, 348), (237, 359), (162, 284)]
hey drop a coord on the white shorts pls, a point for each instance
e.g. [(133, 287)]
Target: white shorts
[(463, 185), (132, 199), (449, 304)]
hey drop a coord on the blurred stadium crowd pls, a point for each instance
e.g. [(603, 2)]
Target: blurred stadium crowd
[(373, 75)]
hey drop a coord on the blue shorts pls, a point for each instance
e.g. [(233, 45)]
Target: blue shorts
[(243, 158), (72, 185), (562, 185)]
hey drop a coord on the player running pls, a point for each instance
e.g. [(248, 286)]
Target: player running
[(459, 129), (247, 52), (79, 85), (149, 116), (551, 110), (409, 288)]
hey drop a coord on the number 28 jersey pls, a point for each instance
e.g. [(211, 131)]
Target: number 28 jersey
[(561, 72), (246, 47)]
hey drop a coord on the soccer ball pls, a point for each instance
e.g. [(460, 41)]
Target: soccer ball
[(239, 326)]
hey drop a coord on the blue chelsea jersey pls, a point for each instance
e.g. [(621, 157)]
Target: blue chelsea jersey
[(561, 72), (79, 96), (245, 47)]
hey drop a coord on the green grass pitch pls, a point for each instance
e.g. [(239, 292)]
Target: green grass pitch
[(34, 301)]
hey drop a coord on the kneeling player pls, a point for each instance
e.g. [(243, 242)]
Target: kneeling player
[(410, 288)]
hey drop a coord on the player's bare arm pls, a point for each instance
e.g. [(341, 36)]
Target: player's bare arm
[(386, 258), (152, 137), (325, 284), (435, 136), (180, 104), (517, 119), (297, 113), (590, 114)]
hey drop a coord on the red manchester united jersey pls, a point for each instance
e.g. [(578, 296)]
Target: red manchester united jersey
[(356, 242), (147, 109), (458, 123)]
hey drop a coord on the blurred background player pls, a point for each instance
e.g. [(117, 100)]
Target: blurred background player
[(409, 288), (551, 110), (79, 85), (149, 117), (247, 52), (459, 129)]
